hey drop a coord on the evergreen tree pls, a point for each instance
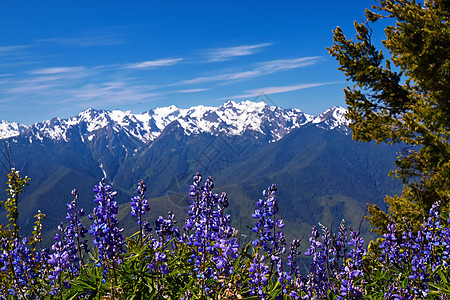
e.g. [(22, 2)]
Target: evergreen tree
[(403, 98)]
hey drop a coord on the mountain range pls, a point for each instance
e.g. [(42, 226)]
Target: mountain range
[(322, 174), (231, 118)]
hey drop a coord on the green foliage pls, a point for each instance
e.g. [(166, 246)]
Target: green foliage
[(438, 290), (403, 99), (136, 282), (132, 279), (16, 186), (37, 231)]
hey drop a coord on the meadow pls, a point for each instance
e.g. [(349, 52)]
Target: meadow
[(198, 256)]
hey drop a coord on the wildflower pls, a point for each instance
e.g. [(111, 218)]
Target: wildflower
[(108, 237)]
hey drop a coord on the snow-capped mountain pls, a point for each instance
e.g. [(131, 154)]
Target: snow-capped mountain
[(314, 161), (254, 118), (8, 129), (332, 118)]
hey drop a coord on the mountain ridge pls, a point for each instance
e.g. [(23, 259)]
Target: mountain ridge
[(230, 118), (244, 146)]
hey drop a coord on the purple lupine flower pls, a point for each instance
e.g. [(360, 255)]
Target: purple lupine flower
[(165, 227), (339, 249), (108, 237), (165, 231), (353, 269), (69, 246), (139, 204), (271, 240), (421, 253), (291, 280), (334, 267), (389, 246), (20, 267), (258, 272), (75, 230), (208, 232), (317, 279), (60, 260)]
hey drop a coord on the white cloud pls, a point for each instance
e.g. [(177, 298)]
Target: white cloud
[(46, 81), (154, 63), (62, 74), (30, 89), (223, 54), (287, 88), (189, 91), (116, 92), (17, 55), (222, 77), (57, 70), (264, 68), (85, 41), (278, 89), (287, 64), (6, 50)]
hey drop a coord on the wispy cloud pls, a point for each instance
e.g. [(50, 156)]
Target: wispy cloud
[(287, 64), (57, 70), (224, 54), (30, 89), (278, 89), (189, 91), (17, 55), (264, 68), (154, 63), (45, 81), (62, 74), (117, 92), (85, 41), (7, 50), (222, 77)]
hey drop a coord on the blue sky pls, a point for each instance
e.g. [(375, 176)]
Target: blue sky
[(58, 58)]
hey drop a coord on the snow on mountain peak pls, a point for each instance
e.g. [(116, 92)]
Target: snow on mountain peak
[(231, 118), (339, 114), (165, 111), (332, 118), (8, 129)]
